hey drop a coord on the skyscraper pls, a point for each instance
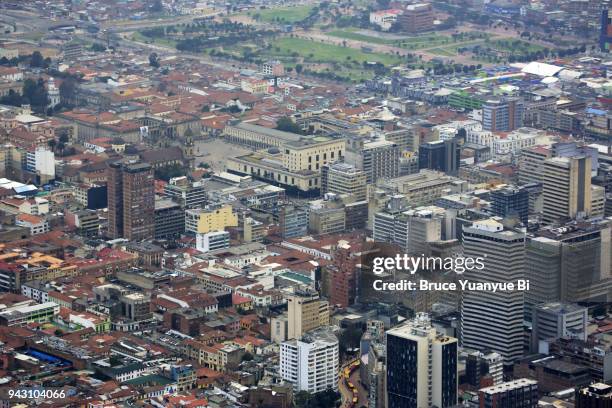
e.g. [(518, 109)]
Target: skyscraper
[(131, 201), (494, 320), (570, 263), (441, 155), (567, 188), (502, 115), (511, 201), (421, 366), (380, 160)]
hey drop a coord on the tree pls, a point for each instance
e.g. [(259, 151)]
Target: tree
[(97, 47), (299, 68), (37, 60), (67, 91), (168, 172), (157, 6), (154, 60), (247, 356), (287, 125)]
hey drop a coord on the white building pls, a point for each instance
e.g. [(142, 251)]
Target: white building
[(311, 364), (494, 320), (212, 240), (449, 130), (384, 18), (514, 142)]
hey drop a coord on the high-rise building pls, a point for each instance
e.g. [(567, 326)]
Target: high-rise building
[(412, 230), (421, 366), (305, 312), (570, 263), (521, 393), (554, 320), (494, 320), (441, 155), (131, 201), (531, 164), (605, 34), (567, 188), (380, 160), (511, 201), (343, 178), (311, 363), (169, 219), (417, 18), (598, 395), (502, 115)]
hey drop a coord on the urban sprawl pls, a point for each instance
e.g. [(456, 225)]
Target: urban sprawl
[(197, 199)]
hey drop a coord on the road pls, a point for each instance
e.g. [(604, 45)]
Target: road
[(346, 392)]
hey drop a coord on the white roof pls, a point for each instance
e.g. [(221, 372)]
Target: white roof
[(541, 69)]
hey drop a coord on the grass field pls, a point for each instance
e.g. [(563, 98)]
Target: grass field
[(137, 36), (287, 15), (411, 43), (351, 35), (312, 51)]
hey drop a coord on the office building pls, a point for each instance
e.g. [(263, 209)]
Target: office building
[(421, 188), (531, 164), (494, 320), (598, 395), (169, 219), (511, 202), (416, 18), (567, 188), (327, 220), (380, 160), (305, 312), (211, 241), (131, 201), (570, 263), (441, 155), (521, 393), (502, 115), (551, 321), (311, 363), (421, 366), (484, 368), (210, 219), (342, 178), (293, 221), (411, 230), (188, 194)]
